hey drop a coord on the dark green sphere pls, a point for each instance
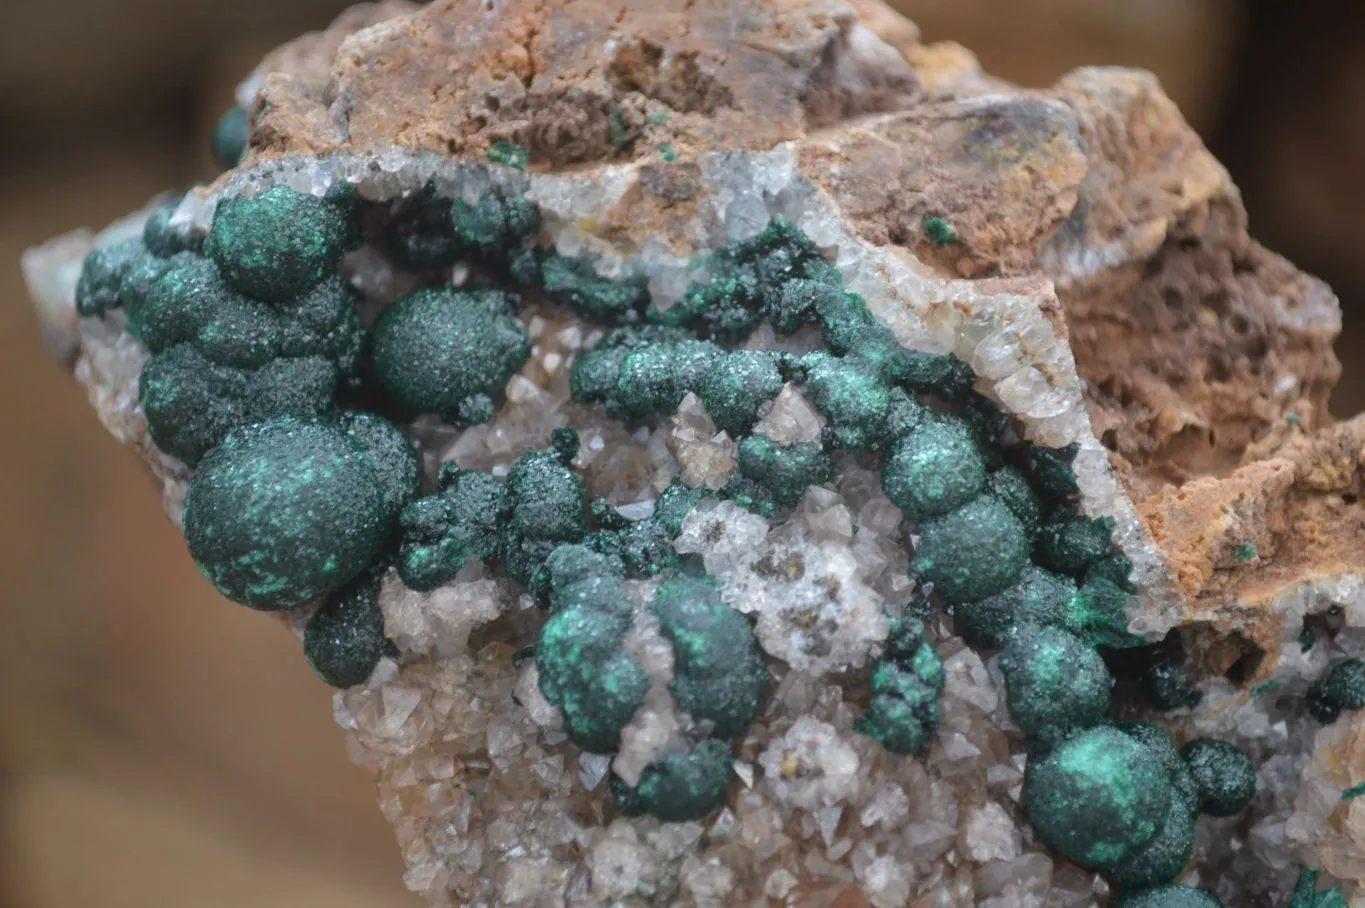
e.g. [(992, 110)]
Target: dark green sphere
[(344, 640), (1163, 858), (437, 349), (230, 136), (1055, 683), (278, 244), (1098, 798), (1343, 687), (974, 552), (681, 785), (935, 469), (283, 513), (394, 457), (1040, 597), (1224, 774)]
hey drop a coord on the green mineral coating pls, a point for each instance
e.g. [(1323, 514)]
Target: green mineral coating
[(395, 458), (1306, 639), (1012, 488), (1114, 567), (745, 283), (597, 697), (1054, 683), (1101, 616), (1293, 419), (644, 547), (935, 373), (1167, 684), (283, 513), (1244, 553), (421, 237), (573, 281), (190, 304), (857, 402), (230, 135), (1098, 797), (495, 224), (1170, 895), (192, 404), (605, 516), (596, 375), (1225, 775), (102, 271), (902, 713), (1040, 597), (725, 307), (938, 231), (547, 498), (583, 669), (1070, 544), (974, 552), (784, 472), (680, 786), (277, 244), (654, 380), (344, 640), (935, 469), (800, 300), (719, 673), (569, 565), (142, 274), (162, 239), (1163, 858), (508, 153), (673, 503), (1263, 688), (736, 385), (463, 518), (1354, 791), (617, 131), (1053, 471), (193, 305), (1306, 894), (446, 351), (993, 425), (1343, 687), (667, 153), (1160, 743)]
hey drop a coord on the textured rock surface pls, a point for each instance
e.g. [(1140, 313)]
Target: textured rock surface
[(1078, 247)]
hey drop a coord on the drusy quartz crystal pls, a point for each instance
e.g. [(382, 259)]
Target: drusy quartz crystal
[(726, 454)]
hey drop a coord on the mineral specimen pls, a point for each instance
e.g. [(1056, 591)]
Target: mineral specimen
[(730, 453)]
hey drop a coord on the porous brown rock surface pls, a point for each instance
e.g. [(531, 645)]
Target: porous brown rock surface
[(1078, 246)]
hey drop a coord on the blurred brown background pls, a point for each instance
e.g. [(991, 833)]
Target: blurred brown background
[(159, 746)]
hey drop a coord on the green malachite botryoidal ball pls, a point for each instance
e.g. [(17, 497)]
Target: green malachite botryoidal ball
[(229, 140), (1098, 798), (449, 352), (283, 513), (278, 244)]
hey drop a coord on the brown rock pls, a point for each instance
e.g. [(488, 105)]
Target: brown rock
[(578, 82)]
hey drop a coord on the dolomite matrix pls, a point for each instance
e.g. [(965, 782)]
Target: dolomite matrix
[(731, 453)]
